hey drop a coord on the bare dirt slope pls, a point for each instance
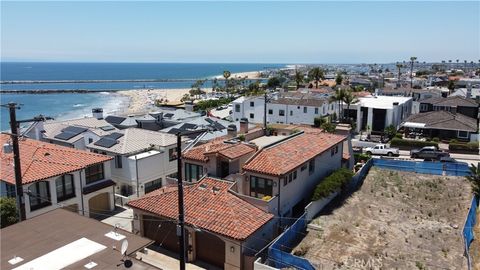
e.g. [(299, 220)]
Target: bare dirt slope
[(397, 220)]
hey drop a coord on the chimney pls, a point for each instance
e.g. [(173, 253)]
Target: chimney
[(189, 106), (232, 130), (7, 148), (469, 90), (39, 129), (243, 126), (97, 113)]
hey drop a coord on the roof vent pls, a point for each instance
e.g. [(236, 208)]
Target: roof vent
[(7, 148), (202, 186), (46, 154), (215, 190)]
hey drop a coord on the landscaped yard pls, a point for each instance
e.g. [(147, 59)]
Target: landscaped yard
[(397, 220)]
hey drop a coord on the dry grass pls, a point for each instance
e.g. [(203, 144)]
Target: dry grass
[(397, 220), (475, 247)]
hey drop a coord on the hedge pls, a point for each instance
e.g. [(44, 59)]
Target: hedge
[(471, 146), (361, 157), (331, 183), (396, 142)]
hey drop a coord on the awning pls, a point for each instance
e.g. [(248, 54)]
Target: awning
[(413, 125)]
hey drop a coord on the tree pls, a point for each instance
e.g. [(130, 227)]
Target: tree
[(318, 121), (474, 179), (328, 127), (412, 60), (8, 212), (390, 131), (339, 79), (316, 74), (273, 83), (298, 78), (226, 75), (338, 97), (451, 85), (349, 98)]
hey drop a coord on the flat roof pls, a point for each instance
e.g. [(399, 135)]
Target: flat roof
[(382, 102), (144, 154), (266, 140), (47, 235)]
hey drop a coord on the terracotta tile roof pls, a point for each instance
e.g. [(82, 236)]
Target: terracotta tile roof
[(229, 150), (219, 212), (41, 160), (285, 156)]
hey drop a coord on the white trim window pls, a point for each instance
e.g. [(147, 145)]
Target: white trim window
[(462, 134)]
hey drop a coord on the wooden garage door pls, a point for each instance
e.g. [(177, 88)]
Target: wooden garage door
[(210, 249), (99, 204), (163, 233)]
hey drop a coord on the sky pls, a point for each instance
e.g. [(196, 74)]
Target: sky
[(240, 32)]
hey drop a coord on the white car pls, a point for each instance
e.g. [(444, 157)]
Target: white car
[(381, 149)]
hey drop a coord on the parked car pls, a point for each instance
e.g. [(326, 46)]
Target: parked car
[(428, 152), (382, 149)]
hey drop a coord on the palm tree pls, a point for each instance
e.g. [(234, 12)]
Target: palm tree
[(338, 97), (316, 74), (458, 60), (474, 179), (226, 75), (399, 68), (349, 98), (298, 78), (412, 60)]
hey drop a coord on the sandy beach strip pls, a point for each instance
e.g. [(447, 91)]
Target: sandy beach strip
[(248, 75), (144, 100)]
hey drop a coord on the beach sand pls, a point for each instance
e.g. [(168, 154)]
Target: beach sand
[(144, 100), (248, 74)]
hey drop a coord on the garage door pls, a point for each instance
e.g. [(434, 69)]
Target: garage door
[(99, 204), (163, 233), (210, 249)]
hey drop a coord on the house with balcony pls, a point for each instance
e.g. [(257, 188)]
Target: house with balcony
[(284, 108), (222, 229), (142, 159), (453, 104), (288, 170), (55, 176)]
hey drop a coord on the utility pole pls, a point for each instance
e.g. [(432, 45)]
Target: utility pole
[(16, 161), (181, 209), (12, 107), (265, 115)]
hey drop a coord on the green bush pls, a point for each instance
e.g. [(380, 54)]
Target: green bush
[(396, 142), (204, 105), (398, 135), (331, 183), (361, 157), (453, 141), (318, 121), (436, 139), (469, 147), (8, 210), (390, 131)]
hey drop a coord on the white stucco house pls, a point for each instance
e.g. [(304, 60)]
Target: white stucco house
[(55, 176)]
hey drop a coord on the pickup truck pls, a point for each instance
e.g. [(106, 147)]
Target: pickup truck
[(428, 152), (382, 149)]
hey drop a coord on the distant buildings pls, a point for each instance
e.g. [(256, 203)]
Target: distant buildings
[(55, 176)]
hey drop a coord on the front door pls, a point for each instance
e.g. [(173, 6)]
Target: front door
[(224, 168)]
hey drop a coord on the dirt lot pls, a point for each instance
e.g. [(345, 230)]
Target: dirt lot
[(475, 246), (397, 220)]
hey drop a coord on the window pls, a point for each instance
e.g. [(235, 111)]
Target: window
[(118, 161), (270, 111), (332, 151), (281, 112), (90, 140), (65, 187), (311, 166), (304, 109), (153, 185), (324, 109), (193, 172), (172, 154), (237, 107), (291, 113), (252, 115), (336, 149), (295, 175), (285, 181), (462, 134), (39, 195), (252, 104), (304, 167), (94, 173), (316, 110), (290, 177), (260, 187)]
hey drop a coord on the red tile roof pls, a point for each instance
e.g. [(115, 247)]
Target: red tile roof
[(219, 212), (285, 156), (229, 150), (41, 160)]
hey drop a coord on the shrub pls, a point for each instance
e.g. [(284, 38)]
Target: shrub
[(361, 157), (390, 131), (318, 121), (470, 147), (8, 210), (204, 105), (453, 141), (436, 139), (241, 137), (398, 135), (396, 142), (331, 183)]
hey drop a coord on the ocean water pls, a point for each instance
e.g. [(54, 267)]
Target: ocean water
[(70, 105)]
